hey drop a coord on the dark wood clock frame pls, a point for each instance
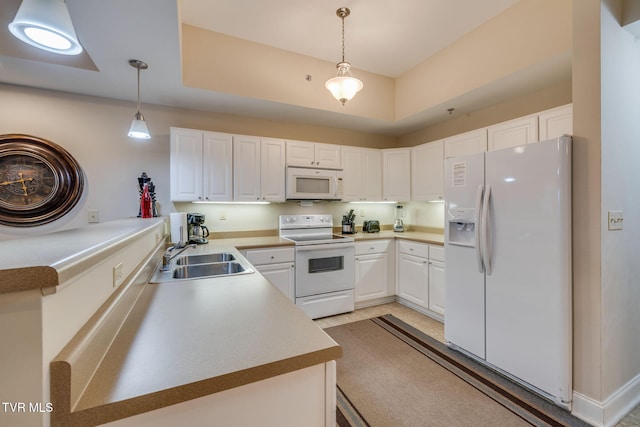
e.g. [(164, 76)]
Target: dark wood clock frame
[(39, 181)]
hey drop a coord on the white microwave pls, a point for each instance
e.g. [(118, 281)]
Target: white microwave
[(313, 183)]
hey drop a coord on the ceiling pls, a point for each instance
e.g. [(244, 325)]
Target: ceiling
[(381, 36)]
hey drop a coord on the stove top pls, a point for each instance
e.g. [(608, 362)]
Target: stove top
[(310, 230)]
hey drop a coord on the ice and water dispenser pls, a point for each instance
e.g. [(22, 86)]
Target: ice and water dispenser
[(462, 226)]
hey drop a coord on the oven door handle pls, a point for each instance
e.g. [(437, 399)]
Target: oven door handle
[(323, 246)]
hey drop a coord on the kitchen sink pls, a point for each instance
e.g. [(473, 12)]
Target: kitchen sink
[(199, 266), (205, 258), (207, 270)]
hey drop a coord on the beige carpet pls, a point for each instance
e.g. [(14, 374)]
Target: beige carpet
[(385, 379)]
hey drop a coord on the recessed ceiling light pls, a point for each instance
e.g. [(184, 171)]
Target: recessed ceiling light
[(46, 24)]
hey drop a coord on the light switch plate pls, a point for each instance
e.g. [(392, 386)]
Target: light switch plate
[(615, 220)]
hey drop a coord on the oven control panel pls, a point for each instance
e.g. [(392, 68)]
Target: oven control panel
[(306, 221)]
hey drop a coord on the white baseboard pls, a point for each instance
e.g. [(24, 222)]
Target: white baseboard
[(612, 410)]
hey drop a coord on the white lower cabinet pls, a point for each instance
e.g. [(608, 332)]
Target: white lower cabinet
[(420, 279), (436, 279), (277, 265), (413, 279), (373, 269)]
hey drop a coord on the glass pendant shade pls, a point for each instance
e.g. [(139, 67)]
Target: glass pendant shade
[(343, 86), (46, 24), (139, 129)]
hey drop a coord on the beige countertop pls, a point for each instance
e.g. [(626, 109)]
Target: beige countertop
[(417, 236), (271, 241), (229, 331), (44, 262)]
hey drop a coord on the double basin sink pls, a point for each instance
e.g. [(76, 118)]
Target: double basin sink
[(198, 266)]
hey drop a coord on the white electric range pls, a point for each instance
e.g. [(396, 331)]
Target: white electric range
[(325, 265)]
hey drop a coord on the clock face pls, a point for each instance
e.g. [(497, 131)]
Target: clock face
[(27, 181), (39, 181)]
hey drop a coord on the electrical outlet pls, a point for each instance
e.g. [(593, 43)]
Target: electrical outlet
[(615, 220), (223, 216), (93, 216), (118, 274), (361, 213)]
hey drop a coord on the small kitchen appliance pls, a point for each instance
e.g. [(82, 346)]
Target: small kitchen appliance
[(398, 225), (371, 226), (198, 232)]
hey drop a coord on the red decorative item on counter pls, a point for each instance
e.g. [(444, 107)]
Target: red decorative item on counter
[(145, 203)]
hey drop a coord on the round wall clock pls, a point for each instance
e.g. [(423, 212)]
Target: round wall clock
[(39, 181)]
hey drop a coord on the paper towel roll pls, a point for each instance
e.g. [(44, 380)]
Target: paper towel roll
[(179, 219)]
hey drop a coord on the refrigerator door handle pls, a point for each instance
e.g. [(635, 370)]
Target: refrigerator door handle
[(486, 232), (479, 259)]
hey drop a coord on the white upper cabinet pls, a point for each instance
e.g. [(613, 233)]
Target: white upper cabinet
[(513, 133), (466, 143), (272, 170), (427, 171), (246, 168), (396, 174), (556, 122), (218, 166), (259, 169), (362, 174), (303, 153), (200, 165)]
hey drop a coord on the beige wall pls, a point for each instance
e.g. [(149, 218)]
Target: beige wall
[(606, 89), (540, 100), (587, 317), (264, 72), (528, 34), (620, 289)]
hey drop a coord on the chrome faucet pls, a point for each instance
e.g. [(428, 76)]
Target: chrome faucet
[(169, 254)]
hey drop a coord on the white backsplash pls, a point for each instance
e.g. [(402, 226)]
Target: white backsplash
[(243, 217)]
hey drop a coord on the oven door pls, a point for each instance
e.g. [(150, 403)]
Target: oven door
[(324, 268)]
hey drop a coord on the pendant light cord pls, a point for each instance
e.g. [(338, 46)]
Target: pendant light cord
[(138, 67), (342, 38)]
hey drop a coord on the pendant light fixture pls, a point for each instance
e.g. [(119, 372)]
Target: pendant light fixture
[(46, 24), (138, 129), (343, 86)]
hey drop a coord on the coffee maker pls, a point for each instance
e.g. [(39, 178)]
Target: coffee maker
[(198, 232)]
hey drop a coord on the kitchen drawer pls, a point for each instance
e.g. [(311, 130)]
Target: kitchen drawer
[(270, 256), (436, 253), (413, 248), (372, 247)]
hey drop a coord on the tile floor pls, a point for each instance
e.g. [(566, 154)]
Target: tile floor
[(430, 327)]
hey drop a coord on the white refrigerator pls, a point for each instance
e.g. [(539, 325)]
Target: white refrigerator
[(508, 251)]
